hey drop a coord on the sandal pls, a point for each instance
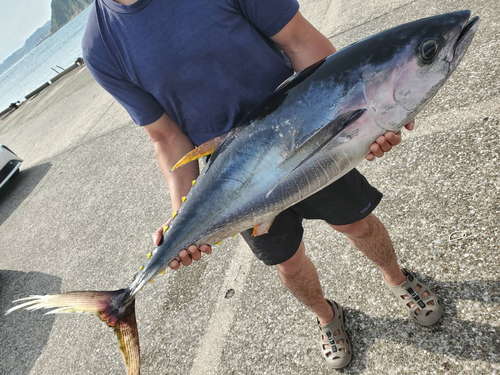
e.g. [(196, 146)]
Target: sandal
[(335, 345), (425, 310)]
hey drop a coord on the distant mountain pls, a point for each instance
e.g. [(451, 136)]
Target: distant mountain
[(64, 10), (35, 38)]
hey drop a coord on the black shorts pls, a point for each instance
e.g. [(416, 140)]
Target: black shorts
[(347, 200)]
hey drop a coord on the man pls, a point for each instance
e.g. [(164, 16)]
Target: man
[(187, 72)]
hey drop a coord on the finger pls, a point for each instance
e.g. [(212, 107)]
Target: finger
[(195, 253), (384, 144), (393, 138), (376, 150), (185, 258), (174, 265), (370, 157), (157, 236), (206, 249), (411, 125)]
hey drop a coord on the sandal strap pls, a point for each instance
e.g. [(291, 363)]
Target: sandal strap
[(333, 355), (428, 313)]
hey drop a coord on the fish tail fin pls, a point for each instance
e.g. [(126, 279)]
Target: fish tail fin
[(115, 308)]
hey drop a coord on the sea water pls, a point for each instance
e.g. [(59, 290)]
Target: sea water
[(60, 49)]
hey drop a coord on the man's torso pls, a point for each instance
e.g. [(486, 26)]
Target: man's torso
[(204, 62)]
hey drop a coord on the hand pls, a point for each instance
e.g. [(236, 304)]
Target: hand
[(186, 256), (385, 142)]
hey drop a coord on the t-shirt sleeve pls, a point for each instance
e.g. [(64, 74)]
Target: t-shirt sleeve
[(268, 16), (141, 105)]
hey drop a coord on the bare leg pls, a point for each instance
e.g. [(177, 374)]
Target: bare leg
[(299, 275), (371, 238)]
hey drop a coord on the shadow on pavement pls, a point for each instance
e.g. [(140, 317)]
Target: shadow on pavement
[(19, 187), (451, 336), (23, 335)]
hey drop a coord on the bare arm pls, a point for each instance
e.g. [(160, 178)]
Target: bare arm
[(170, 145), (304, 45)]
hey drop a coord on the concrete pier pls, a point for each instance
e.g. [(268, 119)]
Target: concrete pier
[(65, 71), (37, 90), (80, 215)]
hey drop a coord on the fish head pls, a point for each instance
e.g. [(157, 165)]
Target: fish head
[(425, 54)]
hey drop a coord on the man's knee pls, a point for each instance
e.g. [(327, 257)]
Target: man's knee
[(359, 229), (294, 264)]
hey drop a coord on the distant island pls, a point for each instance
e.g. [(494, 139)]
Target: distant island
[(62, 12), (30, 43)]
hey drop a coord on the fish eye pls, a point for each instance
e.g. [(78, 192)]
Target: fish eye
[(428, 50)]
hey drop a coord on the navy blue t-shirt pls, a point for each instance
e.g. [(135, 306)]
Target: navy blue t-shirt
[(206, 63)]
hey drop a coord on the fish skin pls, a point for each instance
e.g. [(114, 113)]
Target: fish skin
[(254, 175), (312, 130)]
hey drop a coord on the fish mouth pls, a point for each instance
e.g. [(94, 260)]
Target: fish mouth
[(463, 41), (468, 30)]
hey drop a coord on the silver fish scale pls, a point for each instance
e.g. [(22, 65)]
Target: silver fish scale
[(285, 152)]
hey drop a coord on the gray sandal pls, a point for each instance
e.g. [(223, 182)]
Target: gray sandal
[(410, 292), (335, 357)]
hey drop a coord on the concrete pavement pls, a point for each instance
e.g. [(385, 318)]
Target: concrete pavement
[(81, 212)]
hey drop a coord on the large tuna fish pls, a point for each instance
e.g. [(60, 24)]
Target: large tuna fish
[(313, 129)]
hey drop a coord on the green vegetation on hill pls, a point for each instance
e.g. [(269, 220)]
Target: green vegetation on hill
[(65, 10)]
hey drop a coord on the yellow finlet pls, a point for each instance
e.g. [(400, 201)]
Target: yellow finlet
[(141, 268), (163, 272), (165, 228), (204, 149), (151, 280), (174, 214), (183, 199), (234, 235), (193, 182), (218, 243), (149, 255)]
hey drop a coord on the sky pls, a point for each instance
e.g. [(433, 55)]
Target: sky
[(18, 20)]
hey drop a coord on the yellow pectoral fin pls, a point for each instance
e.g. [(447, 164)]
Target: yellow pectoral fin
[(262, 228), (205, 149)]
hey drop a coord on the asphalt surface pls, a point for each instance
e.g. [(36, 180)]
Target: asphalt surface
[(89, 195)]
